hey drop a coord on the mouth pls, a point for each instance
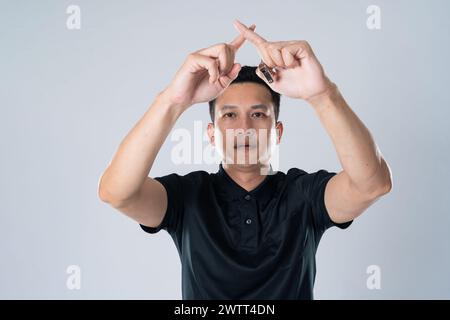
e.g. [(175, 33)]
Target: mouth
[(246, 146)]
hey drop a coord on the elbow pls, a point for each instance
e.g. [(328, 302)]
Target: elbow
[(380, 187), (105, 195), (376, 192), (387, 184), (102, 192), (387, 187)]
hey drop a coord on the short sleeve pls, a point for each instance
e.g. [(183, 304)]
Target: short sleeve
[(313, 185), (173, 217)]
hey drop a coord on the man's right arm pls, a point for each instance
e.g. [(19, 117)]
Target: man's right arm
[(125, 184)]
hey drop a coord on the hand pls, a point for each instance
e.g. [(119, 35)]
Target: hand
[(205, 73), (298, 73)]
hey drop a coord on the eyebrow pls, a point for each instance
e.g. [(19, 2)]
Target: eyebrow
[(256, 106)]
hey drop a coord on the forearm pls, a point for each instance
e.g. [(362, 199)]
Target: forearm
[(134, 158), (357, 151)]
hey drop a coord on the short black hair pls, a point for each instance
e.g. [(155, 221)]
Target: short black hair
[(248, 74)]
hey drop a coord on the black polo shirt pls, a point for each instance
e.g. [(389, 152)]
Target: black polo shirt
[(235, 244)]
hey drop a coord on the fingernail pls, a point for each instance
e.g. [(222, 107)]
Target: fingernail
[(238, 23)]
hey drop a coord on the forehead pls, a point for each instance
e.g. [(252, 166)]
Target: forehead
[(246, 93)]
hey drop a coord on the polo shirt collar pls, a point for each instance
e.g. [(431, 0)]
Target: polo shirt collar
[(231, 190)]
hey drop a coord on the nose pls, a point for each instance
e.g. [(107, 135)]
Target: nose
[(245, 124), (245, 135)]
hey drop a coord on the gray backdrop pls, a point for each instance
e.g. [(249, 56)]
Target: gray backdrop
[(68, 98)]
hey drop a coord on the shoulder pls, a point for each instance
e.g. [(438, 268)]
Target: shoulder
[(303, 179), (300, 173), (295, 173), (193, 178)]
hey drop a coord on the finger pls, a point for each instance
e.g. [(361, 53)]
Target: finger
[(248, 34), (213, 51), (258, 41), (276, 56), (288, 57), (237, 42), (222, 53), (210, 64), (230, 76), (226, 60), (298, 50), (267, 58)]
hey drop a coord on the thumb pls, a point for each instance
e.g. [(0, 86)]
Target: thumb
[(230, 76)]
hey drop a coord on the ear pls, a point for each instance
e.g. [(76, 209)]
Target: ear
[(279, 128), (210, 130)]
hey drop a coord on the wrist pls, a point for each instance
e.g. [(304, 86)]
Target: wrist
[(164, 107), (330, 95), (166, 99)]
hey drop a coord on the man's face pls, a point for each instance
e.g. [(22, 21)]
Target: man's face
[(244, 129)]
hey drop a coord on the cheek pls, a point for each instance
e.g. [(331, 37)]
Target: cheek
[(266, 123), (219, 138), (224, 134), (267, 137)]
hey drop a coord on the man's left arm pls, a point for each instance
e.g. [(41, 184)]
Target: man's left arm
[(365, 176)]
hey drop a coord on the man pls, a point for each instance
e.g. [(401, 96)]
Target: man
[(241, 233)]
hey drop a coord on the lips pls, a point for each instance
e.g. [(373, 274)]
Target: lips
[(245, 146), (245, 143)]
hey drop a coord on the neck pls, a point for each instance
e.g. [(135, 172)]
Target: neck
[(248, 177)]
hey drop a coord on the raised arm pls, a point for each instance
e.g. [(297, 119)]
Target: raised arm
[(298, 74), (366, 175), (126, 184)]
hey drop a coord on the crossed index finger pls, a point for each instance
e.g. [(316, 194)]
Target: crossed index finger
[(240, 39), (249, 34)]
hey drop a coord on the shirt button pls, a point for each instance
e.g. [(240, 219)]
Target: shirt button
[(248, 221), (247, 197)]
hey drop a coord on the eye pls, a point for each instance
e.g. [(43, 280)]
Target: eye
[(258, 115), (229, 115)]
